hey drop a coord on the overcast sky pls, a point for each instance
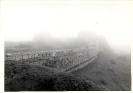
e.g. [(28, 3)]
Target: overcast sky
[(20, 21)]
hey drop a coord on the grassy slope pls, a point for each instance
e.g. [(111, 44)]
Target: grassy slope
[(99, 71), (119, 69), (107, 72), (21, 76)]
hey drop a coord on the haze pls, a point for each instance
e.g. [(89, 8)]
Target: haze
[(20, 22)]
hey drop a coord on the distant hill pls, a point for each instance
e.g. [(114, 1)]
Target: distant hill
[(44, 42)]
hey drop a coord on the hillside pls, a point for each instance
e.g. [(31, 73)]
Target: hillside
[(21, 76), (108, 70)]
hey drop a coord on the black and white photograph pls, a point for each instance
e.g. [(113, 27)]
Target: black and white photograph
[(68, 45)]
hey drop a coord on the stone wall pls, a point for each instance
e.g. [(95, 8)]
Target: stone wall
[(64, 60)]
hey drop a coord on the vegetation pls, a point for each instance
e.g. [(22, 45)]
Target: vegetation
[(108, 70), (23, 76)]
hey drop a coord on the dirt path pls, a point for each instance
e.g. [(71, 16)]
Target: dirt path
[(120, 73), (110, 76), (97, 71)]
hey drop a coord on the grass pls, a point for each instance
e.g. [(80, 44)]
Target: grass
[(118, 68), (23, 76), (120, 71)]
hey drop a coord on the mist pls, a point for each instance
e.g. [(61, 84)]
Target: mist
[(21, 22), (67, 45)]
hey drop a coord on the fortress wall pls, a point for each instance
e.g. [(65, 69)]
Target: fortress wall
[(79, 66), (64, 60)]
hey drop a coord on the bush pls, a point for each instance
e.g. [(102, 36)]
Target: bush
[(20, 76)]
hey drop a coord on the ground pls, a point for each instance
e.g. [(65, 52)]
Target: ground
[(22, 76), (108, 70)]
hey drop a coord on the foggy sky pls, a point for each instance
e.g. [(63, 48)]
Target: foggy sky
[(20, 21)]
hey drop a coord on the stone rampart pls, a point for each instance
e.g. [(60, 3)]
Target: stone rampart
[(64, 60)]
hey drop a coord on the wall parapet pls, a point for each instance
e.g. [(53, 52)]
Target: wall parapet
[(64, 60)]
